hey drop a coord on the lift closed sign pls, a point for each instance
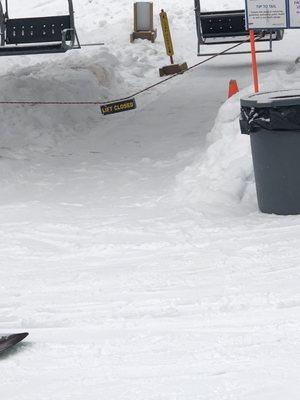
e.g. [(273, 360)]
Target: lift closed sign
[(117, 107), (267, 14)]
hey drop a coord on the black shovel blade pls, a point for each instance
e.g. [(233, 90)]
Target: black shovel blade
[(8, 341)]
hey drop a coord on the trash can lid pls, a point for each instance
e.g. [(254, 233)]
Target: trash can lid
[(280, 98)]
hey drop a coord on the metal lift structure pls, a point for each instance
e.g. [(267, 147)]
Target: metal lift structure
[(226, 27), (39, 35)]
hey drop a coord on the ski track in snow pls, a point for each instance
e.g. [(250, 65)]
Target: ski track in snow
[(131, 247)]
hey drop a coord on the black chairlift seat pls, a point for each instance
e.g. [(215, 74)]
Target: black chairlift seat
[(223, 27), (56, 34)]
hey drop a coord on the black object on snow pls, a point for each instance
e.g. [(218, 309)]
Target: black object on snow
[(273, 122), (8, 341)]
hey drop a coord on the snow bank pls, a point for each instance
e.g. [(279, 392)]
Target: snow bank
[(223, 174), (222, 5), (77, 78), (224, 171)]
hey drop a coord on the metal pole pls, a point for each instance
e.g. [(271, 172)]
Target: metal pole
[(72, 30), (2, 25), (71, 12)]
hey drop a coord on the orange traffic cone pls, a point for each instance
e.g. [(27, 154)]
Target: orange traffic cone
[(233, 88)]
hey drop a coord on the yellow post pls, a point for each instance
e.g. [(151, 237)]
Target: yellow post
[(167, 34)]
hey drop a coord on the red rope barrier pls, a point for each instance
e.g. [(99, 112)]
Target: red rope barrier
[(99, 103)]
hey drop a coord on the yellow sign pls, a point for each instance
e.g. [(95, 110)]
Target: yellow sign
[(119, 106), (167, 34)]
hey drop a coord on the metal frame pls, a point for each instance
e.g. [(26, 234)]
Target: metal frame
[(267, 36), (2, 26), (69, 37)]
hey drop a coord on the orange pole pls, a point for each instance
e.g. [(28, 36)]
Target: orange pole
[(254, 61)]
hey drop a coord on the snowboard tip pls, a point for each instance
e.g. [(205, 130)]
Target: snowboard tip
[(9, 340)]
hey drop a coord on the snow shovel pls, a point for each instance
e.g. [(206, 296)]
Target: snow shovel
[(8, 341)]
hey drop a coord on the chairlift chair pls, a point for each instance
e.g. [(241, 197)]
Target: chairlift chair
[(41, 35), (227, 27)]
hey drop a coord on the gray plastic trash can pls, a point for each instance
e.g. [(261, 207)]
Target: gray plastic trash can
[(273, 122)]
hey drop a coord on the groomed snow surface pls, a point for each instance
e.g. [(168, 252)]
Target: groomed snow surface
[(131, 246)]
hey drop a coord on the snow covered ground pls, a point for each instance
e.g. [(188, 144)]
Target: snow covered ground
[(131, 246)]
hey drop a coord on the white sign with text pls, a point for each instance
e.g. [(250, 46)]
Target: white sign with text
[(294, 6), (267, 14)]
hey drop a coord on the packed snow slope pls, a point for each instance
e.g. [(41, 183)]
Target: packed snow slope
[(131, 246)]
